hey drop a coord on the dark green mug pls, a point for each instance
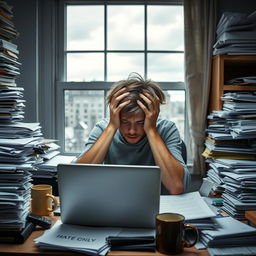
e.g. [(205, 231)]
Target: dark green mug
[(170, 230)]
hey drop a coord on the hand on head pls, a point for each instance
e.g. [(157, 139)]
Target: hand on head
[(151, 110), (149, 105), (115, 107)]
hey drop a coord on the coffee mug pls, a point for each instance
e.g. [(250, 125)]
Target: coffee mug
[(170, 229), (42, 200)]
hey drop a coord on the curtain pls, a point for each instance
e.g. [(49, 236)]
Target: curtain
[(199, 29)]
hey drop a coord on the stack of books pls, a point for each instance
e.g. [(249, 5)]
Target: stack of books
[(231, 152)]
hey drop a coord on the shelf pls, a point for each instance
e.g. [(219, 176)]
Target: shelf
[(227, 67), (239, 88)]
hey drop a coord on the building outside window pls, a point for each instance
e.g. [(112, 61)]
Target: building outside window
[(103, 43)]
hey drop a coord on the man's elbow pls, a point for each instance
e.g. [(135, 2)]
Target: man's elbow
[(177, 189)]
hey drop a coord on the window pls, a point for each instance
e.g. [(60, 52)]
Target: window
[(103, 42)]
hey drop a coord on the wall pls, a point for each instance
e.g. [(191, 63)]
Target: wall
[(25, 21), (246, 6)]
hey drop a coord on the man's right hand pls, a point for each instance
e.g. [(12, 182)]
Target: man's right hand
[(115, 107)]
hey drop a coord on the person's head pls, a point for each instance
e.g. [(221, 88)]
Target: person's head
[(132, 116)]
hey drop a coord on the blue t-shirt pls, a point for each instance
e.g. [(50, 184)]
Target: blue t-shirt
[(122, 152)]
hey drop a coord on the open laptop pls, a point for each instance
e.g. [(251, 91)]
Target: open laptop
[(109, 195)]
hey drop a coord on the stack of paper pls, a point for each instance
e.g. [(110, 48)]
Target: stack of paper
[(48, 169), (18, 130), (230, 232), (233, 251), (7, 28), (19, 151), (83, 239), (246, 80), (90, 240), (46, 172), (14, 197), (11, 103), (231, 152), (22, 147), (236, 34), (48, 149)]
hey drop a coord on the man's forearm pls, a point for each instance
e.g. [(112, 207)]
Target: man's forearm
[(96, 154), (172, 170)]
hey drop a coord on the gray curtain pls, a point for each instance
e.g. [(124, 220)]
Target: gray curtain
[(200, 27)]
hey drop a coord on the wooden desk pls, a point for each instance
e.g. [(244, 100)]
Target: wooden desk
[(29, 248), (251, 216)]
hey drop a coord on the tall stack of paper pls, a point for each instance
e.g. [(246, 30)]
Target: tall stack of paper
[(16, 148), (22, 147), (231, 152), (236, 34)]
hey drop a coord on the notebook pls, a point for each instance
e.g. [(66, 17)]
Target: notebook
[(109, 195)]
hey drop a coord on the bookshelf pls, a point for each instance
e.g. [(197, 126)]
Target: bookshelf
[(226, 67)]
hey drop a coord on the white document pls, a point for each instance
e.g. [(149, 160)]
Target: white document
[(190, 205), (76, 238)]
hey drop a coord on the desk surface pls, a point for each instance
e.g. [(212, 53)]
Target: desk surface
[(30, 248)]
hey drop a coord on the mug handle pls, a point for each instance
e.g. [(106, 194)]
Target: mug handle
[(55, 203), (188, 244)]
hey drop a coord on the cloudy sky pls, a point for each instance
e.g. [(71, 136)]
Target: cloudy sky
[(125, 30)]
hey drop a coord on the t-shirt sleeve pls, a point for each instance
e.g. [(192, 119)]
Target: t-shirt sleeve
[(171, 136), (93, 136)]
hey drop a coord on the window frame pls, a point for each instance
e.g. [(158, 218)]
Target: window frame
[(61, 85)]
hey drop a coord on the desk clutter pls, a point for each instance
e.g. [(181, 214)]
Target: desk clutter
[(217, 232), (23, 150)]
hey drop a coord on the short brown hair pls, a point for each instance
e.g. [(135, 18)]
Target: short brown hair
[(135, 84)]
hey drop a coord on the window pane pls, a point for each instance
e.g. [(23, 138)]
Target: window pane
[(120, 65), (174, 109), (166, 67), (85, 67), (165, 28), (82, 110), (125, 27), (85, 27)]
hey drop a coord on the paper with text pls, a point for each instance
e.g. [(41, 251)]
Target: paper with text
[(190, 205)]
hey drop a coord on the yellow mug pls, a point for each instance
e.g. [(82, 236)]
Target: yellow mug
[(42, 200)]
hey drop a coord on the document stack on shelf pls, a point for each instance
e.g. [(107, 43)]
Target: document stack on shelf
[(246, 80), (231, 152), (236, 34)]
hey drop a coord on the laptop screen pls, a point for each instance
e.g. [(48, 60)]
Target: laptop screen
[(109, 195)]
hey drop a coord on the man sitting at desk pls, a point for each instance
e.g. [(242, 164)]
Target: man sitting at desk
[(134, 135)]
